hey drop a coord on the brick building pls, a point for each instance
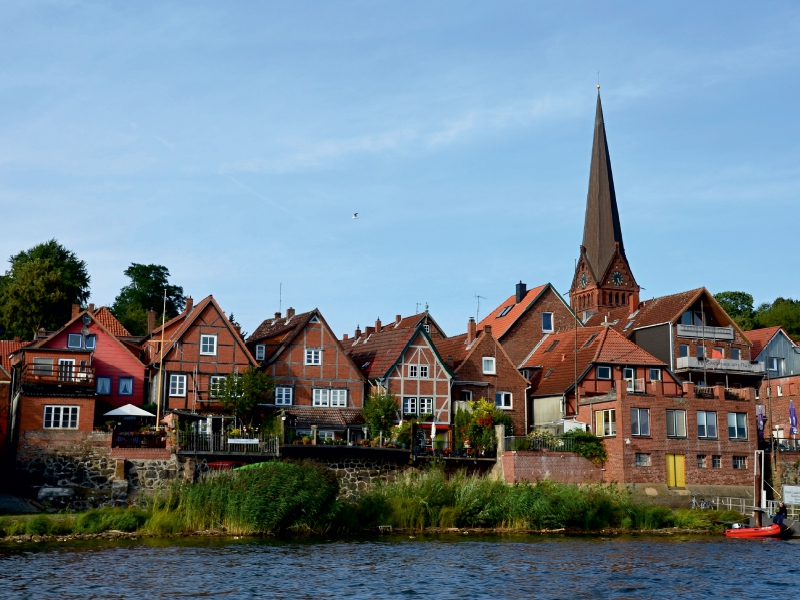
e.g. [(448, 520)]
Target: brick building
[(483, 369), (7, 348), (318, 384)]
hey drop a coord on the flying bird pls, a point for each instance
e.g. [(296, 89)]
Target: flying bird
[(355, 215)]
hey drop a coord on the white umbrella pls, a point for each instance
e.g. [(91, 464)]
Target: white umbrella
[(129, 410), (433, 433)]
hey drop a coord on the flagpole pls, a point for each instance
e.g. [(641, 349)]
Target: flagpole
[(161, 360)]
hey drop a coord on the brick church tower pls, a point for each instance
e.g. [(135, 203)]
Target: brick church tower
[(603, 278)]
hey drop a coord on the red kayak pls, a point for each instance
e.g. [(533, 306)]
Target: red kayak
[(773, 530)]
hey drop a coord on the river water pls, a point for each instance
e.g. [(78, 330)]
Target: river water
[(454, 566)]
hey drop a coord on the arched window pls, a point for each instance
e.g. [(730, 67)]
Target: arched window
[(616, 298)]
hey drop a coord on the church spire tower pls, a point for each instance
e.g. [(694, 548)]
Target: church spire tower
[(603, 278)]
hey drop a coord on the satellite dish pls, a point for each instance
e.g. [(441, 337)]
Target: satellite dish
[(85, 331), (87, 319)]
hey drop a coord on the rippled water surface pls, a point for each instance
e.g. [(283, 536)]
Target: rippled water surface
[(431, 567)]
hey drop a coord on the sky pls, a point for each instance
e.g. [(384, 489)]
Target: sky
[(232, 142)]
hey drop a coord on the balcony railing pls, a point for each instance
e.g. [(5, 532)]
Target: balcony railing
[(735, 394), (139, 439), (225, 443), (552, 444), (705, 332), (718, 364), (704, 391), (58, 374), (636, 386)]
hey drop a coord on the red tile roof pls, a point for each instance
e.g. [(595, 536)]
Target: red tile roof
[(455, 347), (8, 347), (500, 325), (761, 337), (664, 309), (607, 346), (374, 354), (109, 321), (279, 329)]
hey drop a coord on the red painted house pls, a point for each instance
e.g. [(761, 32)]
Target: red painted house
[(7, 348)]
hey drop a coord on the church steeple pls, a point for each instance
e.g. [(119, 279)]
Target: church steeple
[(603, 278), (601, 229)]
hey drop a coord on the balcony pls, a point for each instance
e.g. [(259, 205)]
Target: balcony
[(71, 375), (685, 363), (706, 333)]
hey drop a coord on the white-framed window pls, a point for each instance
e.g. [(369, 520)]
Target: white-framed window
[(489, 365), (313, 356), (640, 421), (628, 373), (91, 342), (126, 386), (702, 463), (604, 372), (214, 381), (339, 398), (683, 350), (642, 460), (780, 390), (321, 397), (261, 351), (177, 385), (737, 426), (706, 424), (409, 406), (426, 406), (502, 399), (547, 322), (466, 395), (676, 423), (74, 340), (606, 422), (716, 461), (413, 370), (505, 311), (655, 374), (61, 417), (66, 369), (103, 386), (423, 371), (736, 354), (43, 366), (739, 462), (325, 435), (283, 396), (427, 328), (208, 345)]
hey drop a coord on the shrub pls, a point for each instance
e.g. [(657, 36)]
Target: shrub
[(39, 525), (588, 445)]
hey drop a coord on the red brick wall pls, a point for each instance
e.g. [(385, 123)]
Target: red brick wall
[(523, 336), (31, 413), (5, 399), (590, 385), (141, 453), (36, 444), (566, 467), (768, 396)]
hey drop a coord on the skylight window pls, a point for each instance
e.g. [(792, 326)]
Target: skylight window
[(633, 314), (505, 311), (628, 326), (590, 340), (553, 345), (550, 372)]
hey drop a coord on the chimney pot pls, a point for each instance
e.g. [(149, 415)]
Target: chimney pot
[(277, 315), (16, 338), (151, 320), (357, 333), (238, 329), (369, 330), (472, 330), (487, 329), (378, 324), (189, 305), (289, 312), (397, 318), (345, 336), (91, 307), (522, 289), (76, 310)]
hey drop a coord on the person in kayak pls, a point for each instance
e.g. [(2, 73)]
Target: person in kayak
[(780, 514)]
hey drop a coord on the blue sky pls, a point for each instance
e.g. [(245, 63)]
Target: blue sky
[(232, 142)]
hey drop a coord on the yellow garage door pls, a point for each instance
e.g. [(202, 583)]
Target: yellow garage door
[(676, 470)]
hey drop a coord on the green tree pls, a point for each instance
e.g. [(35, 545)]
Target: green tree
[(40, 288), (380, 413), (241, 393), (145, 292), (784, 311), (739, 305)]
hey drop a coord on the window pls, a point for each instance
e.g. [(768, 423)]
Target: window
[(739, 462), (505, 310), (103, 386), (283, 396), (736, 354), (655, 374), (780, 390), (683, 350), (321, 397), (551, 346), (737, 426), (701, 352), (126, 386), (640, 421), (716, 462), (261, 352), (606, 421), (208, 345), (61, 417), (427, 328), (604, 372), (466, 395), (313, 319), (426, 406), (412, 370), (74, 340), (91, 342), (547, 322), (313, 356), (325, 435), (676, 423), (706, 424), (423, 371), (701, 461), (177, 385), (642, 460), (43, 366), (773, 364), (409, 406), (550, 372), (628, 373), (214, 383), (489, 365), (717, 352), (339, 398), (502, 399), (591, 339)]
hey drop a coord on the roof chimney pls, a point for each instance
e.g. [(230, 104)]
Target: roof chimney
[(91, 308), (522, 289), (397, 319), (76, 310), (41, 334), (277, 315), (151, 320), (189, 305), (16, 338), (369, 330), (238, 330), (378, 324), (344, 337), (289, 312), (357, 333), (472, 330), (450, 361)]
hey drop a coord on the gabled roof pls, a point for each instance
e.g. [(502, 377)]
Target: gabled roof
[(376, 353), (457, 348), (7, 348), (602, 345), (761, 337), (104, 316), (501, 324), (281, 329)]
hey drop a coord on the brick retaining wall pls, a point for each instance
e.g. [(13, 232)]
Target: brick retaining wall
[(565, 467)]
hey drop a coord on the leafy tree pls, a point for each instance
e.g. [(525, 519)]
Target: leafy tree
[(784, 311), (145, 292), (241, 393), (739, 305), (40, 288), (380, 413)]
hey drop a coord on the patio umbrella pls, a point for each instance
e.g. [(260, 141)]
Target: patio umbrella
[(792, 418), (433, 433), (760, 420), (129, 410)]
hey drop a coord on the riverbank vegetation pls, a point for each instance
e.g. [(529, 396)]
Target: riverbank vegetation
[(286, 498)]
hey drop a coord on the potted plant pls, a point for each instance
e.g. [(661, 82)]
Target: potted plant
[(306, 440), (467, 443)]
